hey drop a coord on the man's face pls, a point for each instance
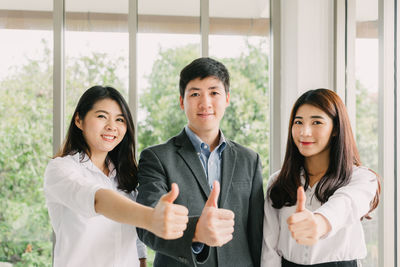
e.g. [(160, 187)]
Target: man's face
[(204, 104)]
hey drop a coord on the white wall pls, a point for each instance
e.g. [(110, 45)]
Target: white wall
[(305, 60)]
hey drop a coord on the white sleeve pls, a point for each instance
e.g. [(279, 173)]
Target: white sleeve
[(64, 184), (141, 249), (271, 229), (349, 203)]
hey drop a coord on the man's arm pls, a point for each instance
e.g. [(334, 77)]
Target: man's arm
[(256, 215), (153, 183), (213, 228)]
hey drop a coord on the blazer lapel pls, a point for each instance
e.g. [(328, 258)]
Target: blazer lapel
[(228, 168), (189, 155)]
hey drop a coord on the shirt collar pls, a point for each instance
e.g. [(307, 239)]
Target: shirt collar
[(84, 159), (197, 142)]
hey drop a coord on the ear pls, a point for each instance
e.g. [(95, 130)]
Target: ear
[(78, 121), (228, 96), (181, 102)]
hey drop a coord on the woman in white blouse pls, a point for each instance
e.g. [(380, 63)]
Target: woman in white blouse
[(90, 188), (322, 173)]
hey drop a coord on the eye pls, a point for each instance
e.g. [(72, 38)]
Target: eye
[(214, 93), (121, 120), (101, 116), (297, 122), (195, 94), (317, 122)]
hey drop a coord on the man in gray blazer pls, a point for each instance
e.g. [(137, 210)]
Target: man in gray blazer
[(220, 181)]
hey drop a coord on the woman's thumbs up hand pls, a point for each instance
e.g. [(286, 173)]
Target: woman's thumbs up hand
[(305, 226)]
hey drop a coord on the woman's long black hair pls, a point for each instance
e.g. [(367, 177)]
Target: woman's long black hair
[(343, 150), (123, 155)]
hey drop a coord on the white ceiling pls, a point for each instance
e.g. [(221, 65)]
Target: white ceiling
[(218, 8)]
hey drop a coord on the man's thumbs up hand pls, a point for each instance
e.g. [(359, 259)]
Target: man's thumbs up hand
[(213, 197), (171, 195), (215, 226)]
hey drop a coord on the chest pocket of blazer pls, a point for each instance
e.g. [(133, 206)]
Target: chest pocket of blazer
[(240, 192), (241, 185)]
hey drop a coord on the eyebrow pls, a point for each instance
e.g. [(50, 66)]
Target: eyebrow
[(209, 88), (103, 111), (312, 117)]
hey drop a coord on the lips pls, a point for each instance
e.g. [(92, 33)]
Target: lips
[(306, 143), (205, 115), (108, 138)]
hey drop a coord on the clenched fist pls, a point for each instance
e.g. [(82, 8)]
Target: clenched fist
[(215, 226), (169, 220), (306, 227)]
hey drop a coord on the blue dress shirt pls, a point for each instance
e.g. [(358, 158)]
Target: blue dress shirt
[(211, 162)]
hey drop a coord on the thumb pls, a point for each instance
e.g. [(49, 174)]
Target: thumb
[(301, 199), (171, 195), (213, 197)]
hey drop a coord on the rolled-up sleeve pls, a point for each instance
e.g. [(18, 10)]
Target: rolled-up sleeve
[(141, 249), (65, 184)]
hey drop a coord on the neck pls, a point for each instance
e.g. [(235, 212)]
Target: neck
[(99, 159), (211, 138), (316, 166)]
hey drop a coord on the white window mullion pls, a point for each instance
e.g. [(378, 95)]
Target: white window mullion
[(276, 139), (350, 93), (204, 26), (133, 88), (340, 49), (387, 152), (397, 131), (58, 75)]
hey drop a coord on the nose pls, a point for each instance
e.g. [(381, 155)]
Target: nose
[(111, 126), (305, 130), (205, 101)]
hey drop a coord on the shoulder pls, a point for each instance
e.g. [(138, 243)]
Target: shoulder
[(61, 167), (161, 147), (64, 162), (362, 171), (242, 150), (272, 178), (163, 151)]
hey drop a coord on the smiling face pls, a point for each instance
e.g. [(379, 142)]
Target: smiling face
[(311, 131), (204, 103), (103, 127)]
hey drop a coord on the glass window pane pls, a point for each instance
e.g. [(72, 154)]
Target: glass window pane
[(239, 37), (366, 73), (26, 123), (96, 48), (168, 39)]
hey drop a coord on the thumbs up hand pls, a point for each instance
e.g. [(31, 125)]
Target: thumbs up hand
[(169, 220), (215, 226), (306, 227)]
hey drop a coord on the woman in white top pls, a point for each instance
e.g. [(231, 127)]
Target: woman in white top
[(323, 174), (90, 188)]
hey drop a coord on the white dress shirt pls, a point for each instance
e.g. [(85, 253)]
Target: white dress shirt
[(343, 210), (83, 237)]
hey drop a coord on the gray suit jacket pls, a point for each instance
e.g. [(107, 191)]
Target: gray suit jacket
[(241, 191)]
